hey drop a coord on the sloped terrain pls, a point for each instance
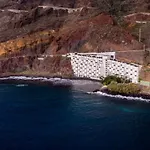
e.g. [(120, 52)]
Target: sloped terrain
[(31, 31)]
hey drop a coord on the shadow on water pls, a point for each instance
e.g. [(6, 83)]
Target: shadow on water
[(43, 96), (35, 117), (47, 93), (31, 112)]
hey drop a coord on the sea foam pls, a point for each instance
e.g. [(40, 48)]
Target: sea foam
[(55, 81), (120, 96), (21, 85)]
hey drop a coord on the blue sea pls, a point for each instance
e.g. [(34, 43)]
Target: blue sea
[(38, 117)]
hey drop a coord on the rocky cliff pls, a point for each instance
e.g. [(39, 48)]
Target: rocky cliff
[(32, 31)]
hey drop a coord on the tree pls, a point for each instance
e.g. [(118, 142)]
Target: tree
[(115, 8)]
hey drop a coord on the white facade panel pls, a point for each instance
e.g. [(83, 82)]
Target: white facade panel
[(95, 67)]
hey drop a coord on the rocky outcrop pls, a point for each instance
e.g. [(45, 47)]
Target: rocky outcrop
[(99, 33), (29, 31), (32, 65)]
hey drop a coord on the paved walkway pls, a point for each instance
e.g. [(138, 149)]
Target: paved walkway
[(39, 56), (145, 83), (70, 10)]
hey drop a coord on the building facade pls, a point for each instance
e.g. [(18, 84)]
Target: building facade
[(99, 65)]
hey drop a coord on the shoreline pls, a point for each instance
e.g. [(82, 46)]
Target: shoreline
[(47, 76), (80, 84), (134, 97), (118, 96)]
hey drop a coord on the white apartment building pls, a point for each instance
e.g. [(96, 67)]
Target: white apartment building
[(98, 65)]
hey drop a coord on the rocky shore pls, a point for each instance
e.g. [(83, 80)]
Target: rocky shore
[(103, 91), (80, 84), (141, 95)]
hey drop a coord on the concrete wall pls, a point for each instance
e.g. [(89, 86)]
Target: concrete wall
[(98, 66)]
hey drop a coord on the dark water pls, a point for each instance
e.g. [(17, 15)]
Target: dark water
[(54, 118)]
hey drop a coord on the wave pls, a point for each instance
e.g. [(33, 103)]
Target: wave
[(21, 85), (62, 81), (55, 81), (23, 78), (121, 97)]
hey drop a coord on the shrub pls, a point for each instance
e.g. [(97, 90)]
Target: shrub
[(109, 79), (124, 88)]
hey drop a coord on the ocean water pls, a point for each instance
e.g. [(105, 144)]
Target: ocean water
[(34, 117)]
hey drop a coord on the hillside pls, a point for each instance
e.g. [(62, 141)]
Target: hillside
[(30, 29)]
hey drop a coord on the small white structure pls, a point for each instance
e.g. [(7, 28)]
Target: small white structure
[(40, 58), (99, 65)]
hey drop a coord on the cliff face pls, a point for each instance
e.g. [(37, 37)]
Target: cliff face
[(30, 4), (139, 5), (31, 29)]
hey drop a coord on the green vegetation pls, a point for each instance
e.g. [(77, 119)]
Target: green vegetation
[(119, 85), (116, 8), (124, 88), (109, 79)]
